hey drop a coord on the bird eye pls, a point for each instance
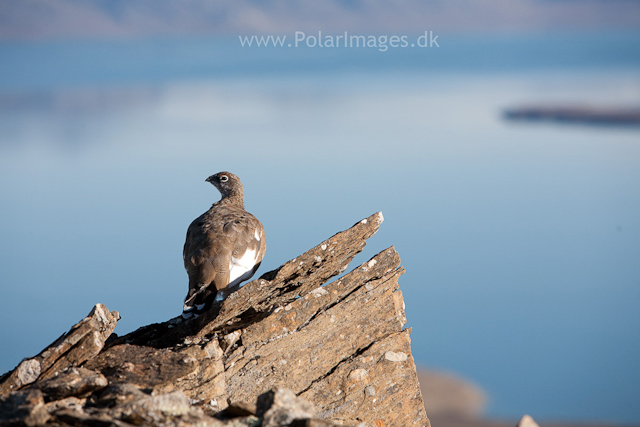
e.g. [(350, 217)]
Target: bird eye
[(224, 178)]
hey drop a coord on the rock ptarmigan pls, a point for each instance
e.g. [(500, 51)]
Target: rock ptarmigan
[(224, 247)]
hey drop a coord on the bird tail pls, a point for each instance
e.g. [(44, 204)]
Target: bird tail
[(197, 301)]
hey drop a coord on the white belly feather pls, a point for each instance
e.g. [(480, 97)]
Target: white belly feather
[(241, 268)]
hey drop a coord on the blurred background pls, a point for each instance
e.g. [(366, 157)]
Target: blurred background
[(520, 237)]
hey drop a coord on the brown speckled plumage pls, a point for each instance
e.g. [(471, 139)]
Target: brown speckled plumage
[(224, 246)]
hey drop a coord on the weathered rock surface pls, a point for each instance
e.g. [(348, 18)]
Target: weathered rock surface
[(81, 343), (282, 407), (77, 382), (282, 350), (23, 408)]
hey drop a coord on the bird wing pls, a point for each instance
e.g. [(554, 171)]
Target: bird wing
[(248, 247), (204, 260), (221, 247)]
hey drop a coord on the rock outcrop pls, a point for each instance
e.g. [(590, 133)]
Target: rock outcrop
[(285, 349), (448, 396), (84, 341)]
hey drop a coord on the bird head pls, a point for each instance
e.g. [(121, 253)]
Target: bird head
[(228, 184)]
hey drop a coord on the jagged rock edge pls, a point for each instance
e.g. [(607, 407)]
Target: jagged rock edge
[(389, 274), (345, 296)]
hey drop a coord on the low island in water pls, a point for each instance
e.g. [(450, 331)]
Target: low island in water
[(576, 114)]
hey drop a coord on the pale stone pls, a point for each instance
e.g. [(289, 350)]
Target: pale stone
[(395, 357), (527, 421)]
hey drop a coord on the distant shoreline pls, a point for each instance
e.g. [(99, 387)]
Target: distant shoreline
[(580, 115)]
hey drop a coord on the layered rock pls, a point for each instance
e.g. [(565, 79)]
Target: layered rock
[(85, 340), (289, 335)]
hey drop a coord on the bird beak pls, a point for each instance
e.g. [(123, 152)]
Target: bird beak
[(209, 179)]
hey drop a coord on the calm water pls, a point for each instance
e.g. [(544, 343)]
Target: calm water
[(521, 241)]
